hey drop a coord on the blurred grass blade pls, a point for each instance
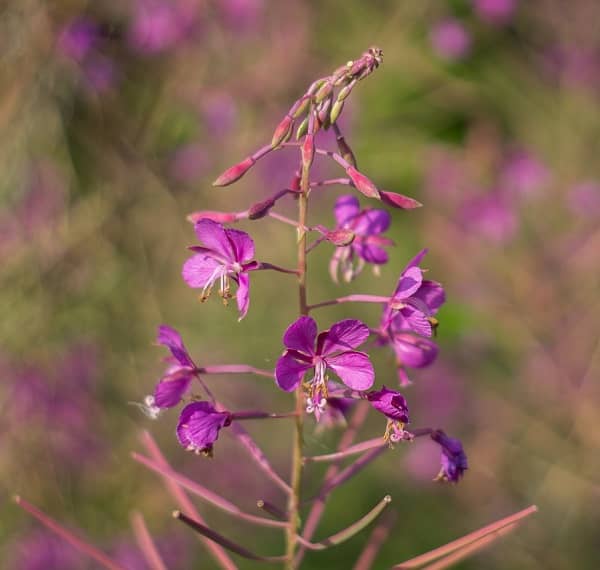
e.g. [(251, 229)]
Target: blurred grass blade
[(466, 540), (84, 547), (145, 542)]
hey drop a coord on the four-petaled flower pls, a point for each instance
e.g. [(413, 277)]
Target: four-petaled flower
[(415, 301), (394, 407), (179, 374), (332, 349), (226, 254), (454, 459), (199, 425), (367, 226)]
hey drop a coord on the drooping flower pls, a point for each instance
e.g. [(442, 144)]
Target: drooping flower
[(178, 376), (368, 244), (226, 255), (331, 349), (394, 407), (454, 459), (199, 425), (415, 301)]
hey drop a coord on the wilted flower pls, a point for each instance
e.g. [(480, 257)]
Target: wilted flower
[(393, 406), (454, 459), (414, 302), (199, 425), (330, 349), (367, 226), (450, 39), (226, 255)]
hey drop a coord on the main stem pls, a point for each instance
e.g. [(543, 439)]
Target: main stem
[(294, 501)]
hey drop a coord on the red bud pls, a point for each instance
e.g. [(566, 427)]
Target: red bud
[(283, 131), (362, 183), (398, 200), (308, 150), (260, 209), (221, 217), (340, 237), (235, 172)]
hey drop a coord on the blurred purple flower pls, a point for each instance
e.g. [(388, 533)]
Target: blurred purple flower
[(242, 16), (188, 163), (334, 349), (43, 550), (99, 74), (454, 459), (394, 407), (219, 113), (575, 65), (227, 256), (414, 301), (158, 25), (584, 199), (523, 175), (450, 39), (77, 38), (199, 425), (367, 226), (490, 217), (495, 11)]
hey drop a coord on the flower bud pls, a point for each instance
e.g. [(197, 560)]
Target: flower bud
[(302, 129), (323, 92), (221, 217), (398, 200), (300, 107), (345, 91), (336, 110), (340, 237), (346, 151), (283, 131), (235, 172), (260, 209), (362, 183), (308, 151)]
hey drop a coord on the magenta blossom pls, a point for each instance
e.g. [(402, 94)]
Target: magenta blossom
[(415, 301), (495, 11), (394, 407), (454, 459), (178, 376), (226, 255), (367, 226), (450, 39), (333, 349), (199, 425)]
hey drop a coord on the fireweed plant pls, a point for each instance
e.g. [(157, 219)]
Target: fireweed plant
[(325, 370)]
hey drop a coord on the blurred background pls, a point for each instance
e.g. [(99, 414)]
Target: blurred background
[(116, 117)]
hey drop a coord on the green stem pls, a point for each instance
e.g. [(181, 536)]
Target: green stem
[(297, 444)]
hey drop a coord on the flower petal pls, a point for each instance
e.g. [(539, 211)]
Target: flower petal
[(390, 403), (289, 372), (409, 283), (243, 294), (371, 222), (301, 335), (213, 235), (171, 389), (372, 253), (242, 245), (354, 369), (432, 294), (417, 322), (413, 351), (343, 335), (201, 270), (346, 207), (199, 425), (169, 337)]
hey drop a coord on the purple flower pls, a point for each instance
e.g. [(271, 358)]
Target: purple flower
[(523, 175), (179, 375), (338, 407), (415, 301), (454, 459), (491, 217), (333, 349), (393, 406), (199, 425), (367, 246), (584, 199), (495, 11), (450, 39), (226, 255), (78, 38)]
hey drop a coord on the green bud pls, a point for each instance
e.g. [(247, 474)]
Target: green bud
[(302, 129), (336, 111), (323, 92)]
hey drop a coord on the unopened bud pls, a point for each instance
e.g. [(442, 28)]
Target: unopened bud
[(260, 209), (336, 110), (283, 131), (235, 172), (323, 92), (345, 91), (302, 129), (399, 201), (308, 151), (221, 217), (300, 107), (340, 237), (295, 183), (362, 183), (346, 151)]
